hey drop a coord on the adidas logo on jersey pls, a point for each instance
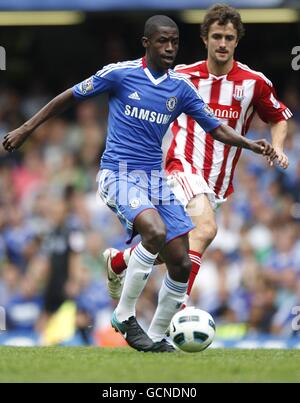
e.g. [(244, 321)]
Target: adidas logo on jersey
[(135, 96)]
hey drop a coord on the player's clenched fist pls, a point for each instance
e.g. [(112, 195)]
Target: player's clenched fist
[(264, 148), (13, 140)]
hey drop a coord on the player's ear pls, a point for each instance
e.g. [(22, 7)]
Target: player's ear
[(145, 42), (205, 40)]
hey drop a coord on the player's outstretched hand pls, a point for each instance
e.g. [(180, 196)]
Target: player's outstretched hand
[(264, 148), (13, 140), (282, 159)]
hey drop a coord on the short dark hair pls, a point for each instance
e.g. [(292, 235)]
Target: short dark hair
[(153, 23), (223, 14)]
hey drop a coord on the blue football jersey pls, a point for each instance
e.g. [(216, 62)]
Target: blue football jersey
[(141, 108)]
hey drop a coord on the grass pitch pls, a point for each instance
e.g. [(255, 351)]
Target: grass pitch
[(90, 364)]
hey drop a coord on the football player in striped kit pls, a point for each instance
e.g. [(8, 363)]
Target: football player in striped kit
[(201, 169)]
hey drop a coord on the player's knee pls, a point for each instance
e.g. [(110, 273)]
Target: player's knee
[(155, 237), (205, 233), (210, 232)]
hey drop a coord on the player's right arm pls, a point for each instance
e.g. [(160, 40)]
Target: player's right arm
[(103, 81), (57, 105)]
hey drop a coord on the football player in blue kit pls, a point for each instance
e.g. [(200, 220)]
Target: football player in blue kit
[(145, 96)]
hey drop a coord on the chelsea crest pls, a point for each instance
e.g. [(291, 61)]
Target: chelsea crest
[(171, 103)]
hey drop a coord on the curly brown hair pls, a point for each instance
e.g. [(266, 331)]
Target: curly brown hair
[(223, 14)]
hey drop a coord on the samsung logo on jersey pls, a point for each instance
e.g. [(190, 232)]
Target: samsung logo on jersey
[(145, 114)]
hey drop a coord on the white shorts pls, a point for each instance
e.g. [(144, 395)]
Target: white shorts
[(186, 186)]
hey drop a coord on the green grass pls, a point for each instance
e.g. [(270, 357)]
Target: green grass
[(89, 364)]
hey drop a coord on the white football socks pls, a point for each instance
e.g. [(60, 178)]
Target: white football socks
[(139, 268), (170, 299)]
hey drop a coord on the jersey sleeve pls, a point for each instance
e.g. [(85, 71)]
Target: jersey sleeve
[(194, 106), (268, 107), (104, 80)]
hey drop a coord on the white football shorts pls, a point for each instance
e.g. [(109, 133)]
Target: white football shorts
[(186, 186)]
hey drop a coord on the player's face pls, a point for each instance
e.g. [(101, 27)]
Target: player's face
[(162, 48), (221, 42)]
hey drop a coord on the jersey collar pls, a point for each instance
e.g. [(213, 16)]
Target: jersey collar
[(148, 73), (229, 76)]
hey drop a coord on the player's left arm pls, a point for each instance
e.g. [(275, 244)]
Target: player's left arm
[(204, 116), (227, 135), (279, 133), (274, 112)]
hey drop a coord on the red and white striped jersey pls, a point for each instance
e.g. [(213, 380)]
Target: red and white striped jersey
[(234, 98)]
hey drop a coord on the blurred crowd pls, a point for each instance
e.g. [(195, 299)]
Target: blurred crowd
[(53, 228)]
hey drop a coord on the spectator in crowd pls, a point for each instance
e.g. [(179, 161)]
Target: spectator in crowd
[(63, 246)]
